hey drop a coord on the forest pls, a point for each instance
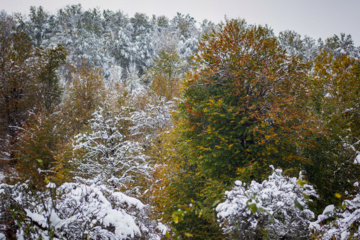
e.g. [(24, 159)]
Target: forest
[(144, 127)]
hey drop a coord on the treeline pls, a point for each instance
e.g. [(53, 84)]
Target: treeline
[(117, 127)]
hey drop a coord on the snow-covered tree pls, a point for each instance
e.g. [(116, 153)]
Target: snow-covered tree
[(123, 49), (187, 47), (184, 24), (152, 120), (41, 25), (133, 79), (305, 48), (106, 155), (276, 209), (165, 40), (133, 46), (342, 45), (72, 211), (339, 222)]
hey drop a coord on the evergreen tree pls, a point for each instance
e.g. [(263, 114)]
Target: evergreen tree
[(40, 25)]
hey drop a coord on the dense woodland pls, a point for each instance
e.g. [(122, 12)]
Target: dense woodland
[(144, 127)]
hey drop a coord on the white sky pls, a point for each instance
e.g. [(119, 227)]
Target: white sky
[(315, 18)]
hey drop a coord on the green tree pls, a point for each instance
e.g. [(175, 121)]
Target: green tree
[(245, 103), (49, 88), (243, 110), (333, 90), (17, 83), (39, 24)]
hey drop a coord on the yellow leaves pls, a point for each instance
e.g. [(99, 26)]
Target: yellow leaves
[(177, 216), (300, 182), (267, 137), (338, 195)]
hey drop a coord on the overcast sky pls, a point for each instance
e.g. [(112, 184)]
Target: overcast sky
[(315, 18)]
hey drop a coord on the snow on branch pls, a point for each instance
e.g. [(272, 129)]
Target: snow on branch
[(276, 208)]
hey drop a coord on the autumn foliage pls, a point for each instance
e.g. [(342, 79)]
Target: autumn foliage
[(120, 132), (244, 106)]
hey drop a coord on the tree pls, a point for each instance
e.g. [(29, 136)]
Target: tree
[(28, 80), (140, 23), (185, 24), (305, 48), (340, 45), (242, 106), (187, 47), (106, 155), (17, 85), (243, 109), (150, 122), (133, 46), (84, 94), (165, 74), (37, 149), (39, 25), (49, 87), (275, 209), (333, 91)]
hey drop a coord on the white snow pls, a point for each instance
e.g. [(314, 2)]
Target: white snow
[(357, 159), (277, 206), (81, 208), (336, 222)]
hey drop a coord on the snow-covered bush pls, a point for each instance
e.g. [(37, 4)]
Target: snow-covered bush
[(339, 222), (275, 209), (73, 211)]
